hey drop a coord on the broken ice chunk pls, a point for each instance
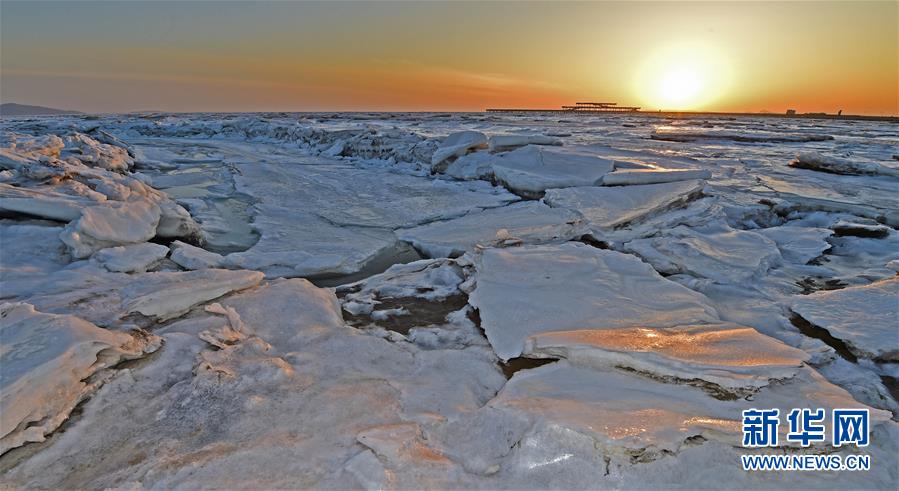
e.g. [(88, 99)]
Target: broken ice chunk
[(726, 256), (531, 170), (530, 222), (42, 202), (134, 258), (533, 289), (501, 143), (836, 165), (799, 244), (610, 207), (110, 224), (192, 257), (678, 134), (864, 317), (625, 177), (50, 364), (733, 357), (456, 145), (168, 295)]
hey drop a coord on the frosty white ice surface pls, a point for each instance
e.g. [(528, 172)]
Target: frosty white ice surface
[(532, 289), (457, 145), (168, 295), (799, 244), (193, 257), (111, 224), (532, 169), (730, 356), (837, 165), (606, 207), (726, 256), (501, 143), (623, 177), (529, 223), (270, 387), (42, 203), (748, 136), (864, 317), (131, 258), (49, 366)]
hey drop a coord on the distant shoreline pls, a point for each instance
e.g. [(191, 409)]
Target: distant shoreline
[(701, 114)]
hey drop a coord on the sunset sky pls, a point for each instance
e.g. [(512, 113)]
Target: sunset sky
[(255, 56)]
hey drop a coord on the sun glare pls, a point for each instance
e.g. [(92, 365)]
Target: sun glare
[(685, 76)]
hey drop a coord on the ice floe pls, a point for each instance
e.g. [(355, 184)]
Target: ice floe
[(723, 255), (519, 223), (527, 290), (863, 317), (192, 257), (501, 143), (131, 258), (533, 169), (50, 364), (457, 145), (624, 177), (735, 358), (746, 136), (528, 360), (167, 295), (837, 165), (610, 207)]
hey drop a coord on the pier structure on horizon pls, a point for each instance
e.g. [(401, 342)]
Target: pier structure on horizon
[(579, 107)]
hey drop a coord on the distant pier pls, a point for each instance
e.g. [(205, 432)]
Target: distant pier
[(593, 108)]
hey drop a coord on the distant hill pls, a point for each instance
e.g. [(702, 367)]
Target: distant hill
[(12, 109)]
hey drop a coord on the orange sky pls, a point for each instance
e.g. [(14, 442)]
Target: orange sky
[(246, 56)]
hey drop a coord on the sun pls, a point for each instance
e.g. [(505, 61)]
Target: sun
[(682, 76), (680, 87)]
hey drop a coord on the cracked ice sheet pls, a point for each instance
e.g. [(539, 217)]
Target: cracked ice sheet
[(49, 366), (533, 169), (727, 355), (104, 298), (29, 251), (609, 207), (864, 317), (325, 217), (533, 289), (530, 222), (287, 406), (722, 254), (645, 429)]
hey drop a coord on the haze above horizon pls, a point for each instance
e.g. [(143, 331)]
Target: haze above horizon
[(450, 56)]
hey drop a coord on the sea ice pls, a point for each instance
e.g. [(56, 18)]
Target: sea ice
[(528, 290), (192, 257), (798, 244), (50, 363), (837, 165), (863, 317), (134, 258), (723, 255), (532, 169), (731, 356), (500, 143), (687, 135), (529, 223), (610, 207), (624, 177), (167, 295), (456, 145), (111, 224)]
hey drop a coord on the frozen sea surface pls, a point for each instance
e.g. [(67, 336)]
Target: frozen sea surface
[(422, 300)]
